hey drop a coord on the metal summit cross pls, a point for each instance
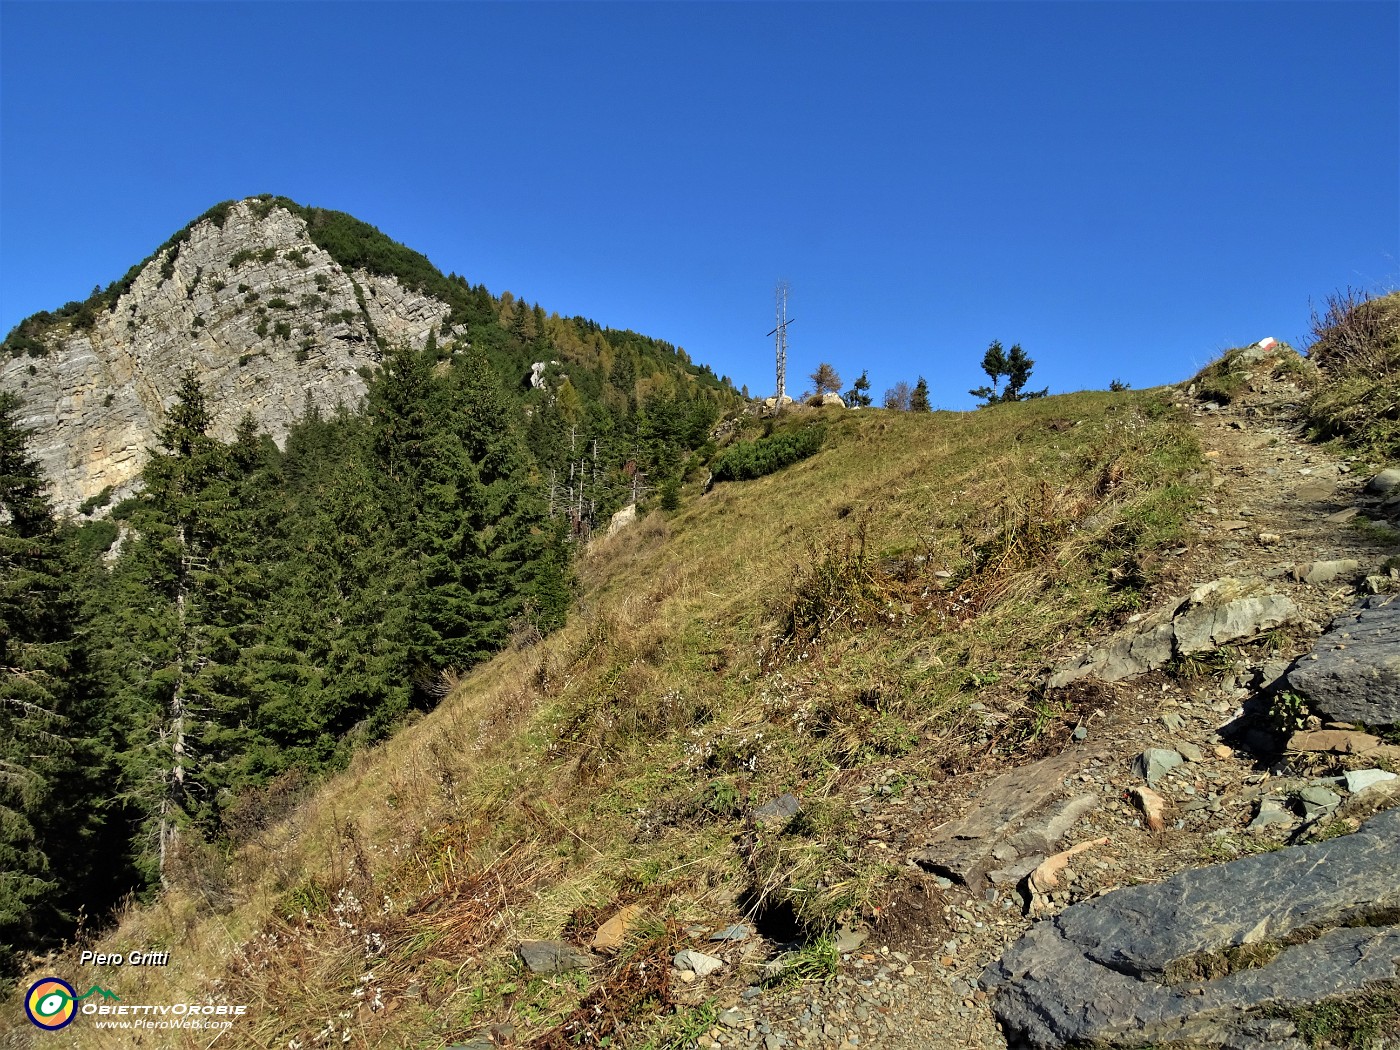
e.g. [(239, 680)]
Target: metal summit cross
[(781, 332)]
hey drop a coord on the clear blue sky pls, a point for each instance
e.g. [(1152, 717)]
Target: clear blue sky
[(1124, 189)]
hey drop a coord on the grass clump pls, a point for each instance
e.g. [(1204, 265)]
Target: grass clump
[(1224, 379), (818, 961), (1366, 1021), (1357, 348)]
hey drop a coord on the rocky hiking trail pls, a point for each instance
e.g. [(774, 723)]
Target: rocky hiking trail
[(1175, 766)]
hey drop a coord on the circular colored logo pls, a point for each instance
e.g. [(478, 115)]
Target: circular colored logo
[(51, 1003)]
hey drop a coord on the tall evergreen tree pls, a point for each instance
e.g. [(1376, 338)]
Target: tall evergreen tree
[(171, 629), (46, 765), (994, 364), (1016, 366), (918, 400), (1018, 373), (527, 556)]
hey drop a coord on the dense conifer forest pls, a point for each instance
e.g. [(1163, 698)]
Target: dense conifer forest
[(176, 669)]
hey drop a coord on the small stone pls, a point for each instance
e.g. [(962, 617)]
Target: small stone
[(848, 940), (1271, 811), (1341, 741), (1189, 751), (610, 935), (1081, 733), (1172, 721), (553, 957), (1155, 763), (732, 933), (1343, 516), (699, 962), (1222, 751), (1359, 780), (1317, 800), (779, 811), (732, 1018), (1153, 807)]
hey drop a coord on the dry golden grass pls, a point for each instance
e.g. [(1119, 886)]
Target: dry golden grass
[(791, 633)]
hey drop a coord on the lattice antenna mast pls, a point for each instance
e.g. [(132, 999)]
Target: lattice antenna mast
[(780, 332)]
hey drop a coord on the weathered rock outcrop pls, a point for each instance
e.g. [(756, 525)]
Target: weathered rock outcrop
[(1219, 956), (994, 832), (266, 318), (1353, 672), (1218, 612)]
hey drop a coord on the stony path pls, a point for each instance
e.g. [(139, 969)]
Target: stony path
[(1277, 506)]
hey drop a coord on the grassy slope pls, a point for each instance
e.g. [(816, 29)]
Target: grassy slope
[(814, 631)]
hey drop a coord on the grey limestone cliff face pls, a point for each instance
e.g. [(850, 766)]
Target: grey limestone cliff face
[(265, 317)]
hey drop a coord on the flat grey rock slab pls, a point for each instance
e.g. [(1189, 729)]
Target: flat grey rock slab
[(1136, 966), (1358, 780), (732, 933), (1321, 573), (553, 957), (779, 811), (1353, 672), (964, 850)]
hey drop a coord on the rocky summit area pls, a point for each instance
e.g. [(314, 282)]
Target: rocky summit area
[(1212, 863), (266, 318)]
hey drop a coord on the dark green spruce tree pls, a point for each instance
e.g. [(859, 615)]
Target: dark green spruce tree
[(50, 789), (1015, 366), (859, 394), (918, 400), (527, 555), (167, 630)]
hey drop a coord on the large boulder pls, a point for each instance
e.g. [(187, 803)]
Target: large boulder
[(1220, 956), (1353, 672)]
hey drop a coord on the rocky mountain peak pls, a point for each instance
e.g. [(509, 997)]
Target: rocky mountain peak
[(245, 296)]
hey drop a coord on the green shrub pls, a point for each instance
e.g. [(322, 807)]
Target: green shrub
[(96, 537), (97, 502), (753, 459)]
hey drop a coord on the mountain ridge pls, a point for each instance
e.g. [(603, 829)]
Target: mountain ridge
[(277, 306)]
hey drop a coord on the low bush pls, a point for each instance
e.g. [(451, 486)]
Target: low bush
[(753, 459)]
